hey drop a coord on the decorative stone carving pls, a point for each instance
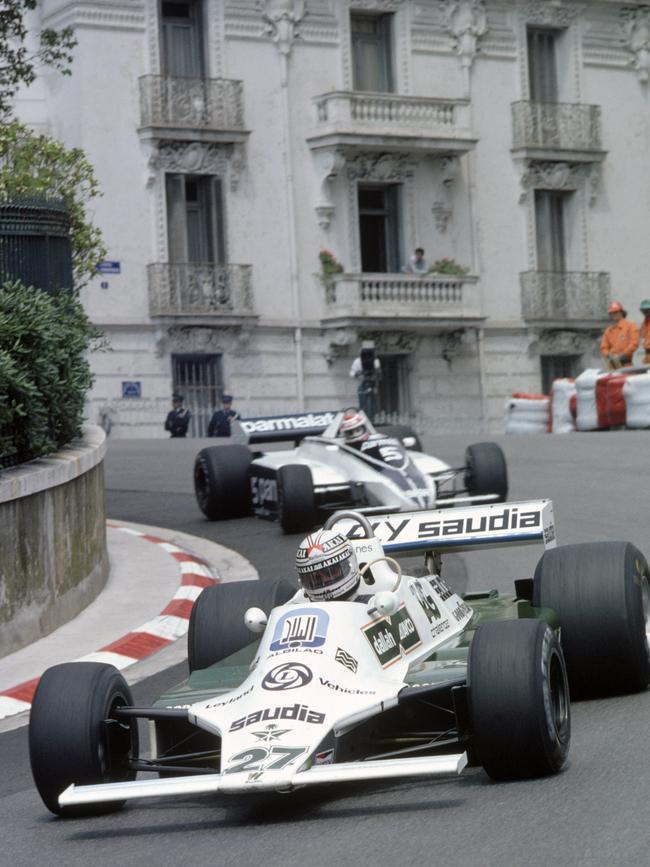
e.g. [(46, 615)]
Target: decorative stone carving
[(636, 28), (328, 165), (199, 158), (551, 13), (339, 342), (392, 341), (562, 343), (190, 339), (448, 168), (283, 18), (441, 215), (451, 344), (466, 20), (376, 5), (560, 176), (379, 167)]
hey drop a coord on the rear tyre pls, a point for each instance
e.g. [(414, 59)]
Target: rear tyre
[(519, 707), (401, 432), (601, 593), (221, 482), (296, 500), (73, 737), (485, 470), (217, 626)]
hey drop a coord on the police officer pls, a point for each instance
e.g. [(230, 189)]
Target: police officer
[(220, 422), (178, 418)]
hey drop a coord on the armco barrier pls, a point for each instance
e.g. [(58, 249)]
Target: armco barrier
[(53, 559)]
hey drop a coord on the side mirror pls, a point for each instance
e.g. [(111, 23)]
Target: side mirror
[(408, 442), (255, 620), (385, 603)]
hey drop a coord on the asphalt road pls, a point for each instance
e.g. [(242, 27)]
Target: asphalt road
[(594, 813)]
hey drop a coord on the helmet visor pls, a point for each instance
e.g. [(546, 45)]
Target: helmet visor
[(356, 432), (325, 577)]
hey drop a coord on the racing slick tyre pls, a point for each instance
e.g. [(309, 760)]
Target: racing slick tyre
[(217, 627), (296, 500), (601, 593), (485, 470), (401, 432), (519, 708), (221, 482), (73, 737)]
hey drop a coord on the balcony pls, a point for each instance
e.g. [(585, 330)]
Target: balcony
[(210, 109), (390, 300), (199, 291), (558, 298), (557, 131), (387, 121)]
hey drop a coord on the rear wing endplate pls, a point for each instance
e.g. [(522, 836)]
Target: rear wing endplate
[(281, 428), (467, 529)]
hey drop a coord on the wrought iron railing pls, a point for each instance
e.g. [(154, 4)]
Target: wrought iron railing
[(392, 110), (35, 243), (193, 103), (565, 295), (204, 289), (561, 126)]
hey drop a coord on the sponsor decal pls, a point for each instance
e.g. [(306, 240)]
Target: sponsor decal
[(271, 733), (231, 699), (549, 533), (295, 650), (302, 629), (287, 422), (256, 760), (461, 611), (288, 675), (440, 587), (470, 525), (263, 490), (423, 594), (346, 659), (338, 688), (298, 712), (392, 637)]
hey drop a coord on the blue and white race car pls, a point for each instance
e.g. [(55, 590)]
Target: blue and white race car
[(339, 461)]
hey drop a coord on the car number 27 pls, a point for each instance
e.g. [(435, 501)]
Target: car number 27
[(251, 760)]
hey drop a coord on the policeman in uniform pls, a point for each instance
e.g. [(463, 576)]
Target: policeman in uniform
[(178, 418), (220, 422)]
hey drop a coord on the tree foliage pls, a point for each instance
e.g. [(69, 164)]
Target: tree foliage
[(18, 61), (34, 166)]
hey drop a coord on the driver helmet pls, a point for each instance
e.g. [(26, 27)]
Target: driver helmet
[(327, 566), (353, 428)]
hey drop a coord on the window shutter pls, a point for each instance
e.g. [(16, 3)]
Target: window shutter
[(176, 222)]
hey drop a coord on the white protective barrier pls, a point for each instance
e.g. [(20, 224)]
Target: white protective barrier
[(562, 420), (636, 391), (527, 415), (587, 414)]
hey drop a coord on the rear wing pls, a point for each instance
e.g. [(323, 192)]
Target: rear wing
[(281, 428), (468, 529)]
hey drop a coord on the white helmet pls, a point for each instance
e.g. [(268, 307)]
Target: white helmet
[(354, 428), (327, 566)]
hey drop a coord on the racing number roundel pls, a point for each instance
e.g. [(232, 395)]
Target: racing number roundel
[(289, 675)]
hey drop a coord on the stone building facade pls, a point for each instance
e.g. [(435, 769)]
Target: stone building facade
[(235, 139)]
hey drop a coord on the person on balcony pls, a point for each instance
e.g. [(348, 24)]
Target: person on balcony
[(416, 264), (620, 340)]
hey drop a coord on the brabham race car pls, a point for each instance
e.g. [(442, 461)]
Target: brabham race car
[(382, 470), (404, 679)]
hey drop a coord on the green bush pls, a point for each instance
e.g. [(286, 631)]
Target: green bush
[(44, 373)]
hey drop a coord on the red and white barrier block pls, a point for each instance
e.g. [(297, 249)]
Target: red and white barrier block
[(636, 392), (527, 413), (563, 406)]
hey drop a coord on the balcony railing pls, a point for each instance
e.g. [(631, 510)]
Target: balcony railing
[(191, 103), (565, 295), (399, 296), (200, 290), (556, 126), (350, 113)]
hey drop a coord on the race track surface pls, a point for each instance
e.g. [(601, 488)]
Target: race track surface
[(594, 813)]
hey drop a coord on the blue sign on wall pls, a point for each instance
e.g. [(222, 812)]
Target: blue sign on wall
[(109, 267), (131, 389)]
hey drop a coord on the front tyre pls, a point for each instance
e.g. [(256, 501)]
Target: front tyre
[(221, 481), (73, 737), (520, 718), (485, 471), (601, 593), (296, 499)]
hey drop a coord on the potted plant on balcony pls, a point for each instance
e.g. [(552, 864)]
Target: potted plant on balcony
[(448, 266), (329, 265)]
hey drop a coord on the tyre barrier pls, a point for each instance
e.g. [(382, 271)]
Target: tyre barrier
[(636, 393), (587, 413), (527, 413), (562, 417)]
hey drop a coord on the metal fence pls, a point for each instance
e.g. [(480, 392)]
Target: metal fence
[(35, 245)]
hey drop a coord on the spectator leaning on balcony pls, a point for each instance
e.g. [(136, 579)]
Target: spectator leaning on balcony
[(620, 340), (645, 329), (416, 264)]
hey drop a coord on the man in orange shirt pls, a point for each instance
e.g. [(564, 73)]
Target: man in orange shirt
[(645, 329), (620, 340)]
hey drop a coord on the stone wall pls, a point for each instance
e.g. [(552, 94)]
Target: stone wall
[(53, 558)]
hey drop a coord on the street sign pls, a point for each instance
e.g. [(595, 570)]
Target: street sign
[(131, 389), (109, 267)]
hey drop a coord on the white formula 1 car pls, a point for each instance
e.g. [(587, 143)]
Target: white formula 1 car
[(323, 473), (406, 678)]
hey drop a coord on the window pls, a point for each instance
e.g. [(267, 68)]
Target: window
[(542, 65), (378, 228), (549, 228), (194, 219), (394, 404), (182, 39), (199, 379), (558, 367), (371, 53)]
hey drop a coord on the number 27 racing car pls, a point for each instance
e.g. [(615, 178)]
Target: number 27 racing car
[(339, 461), (401, 678)]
